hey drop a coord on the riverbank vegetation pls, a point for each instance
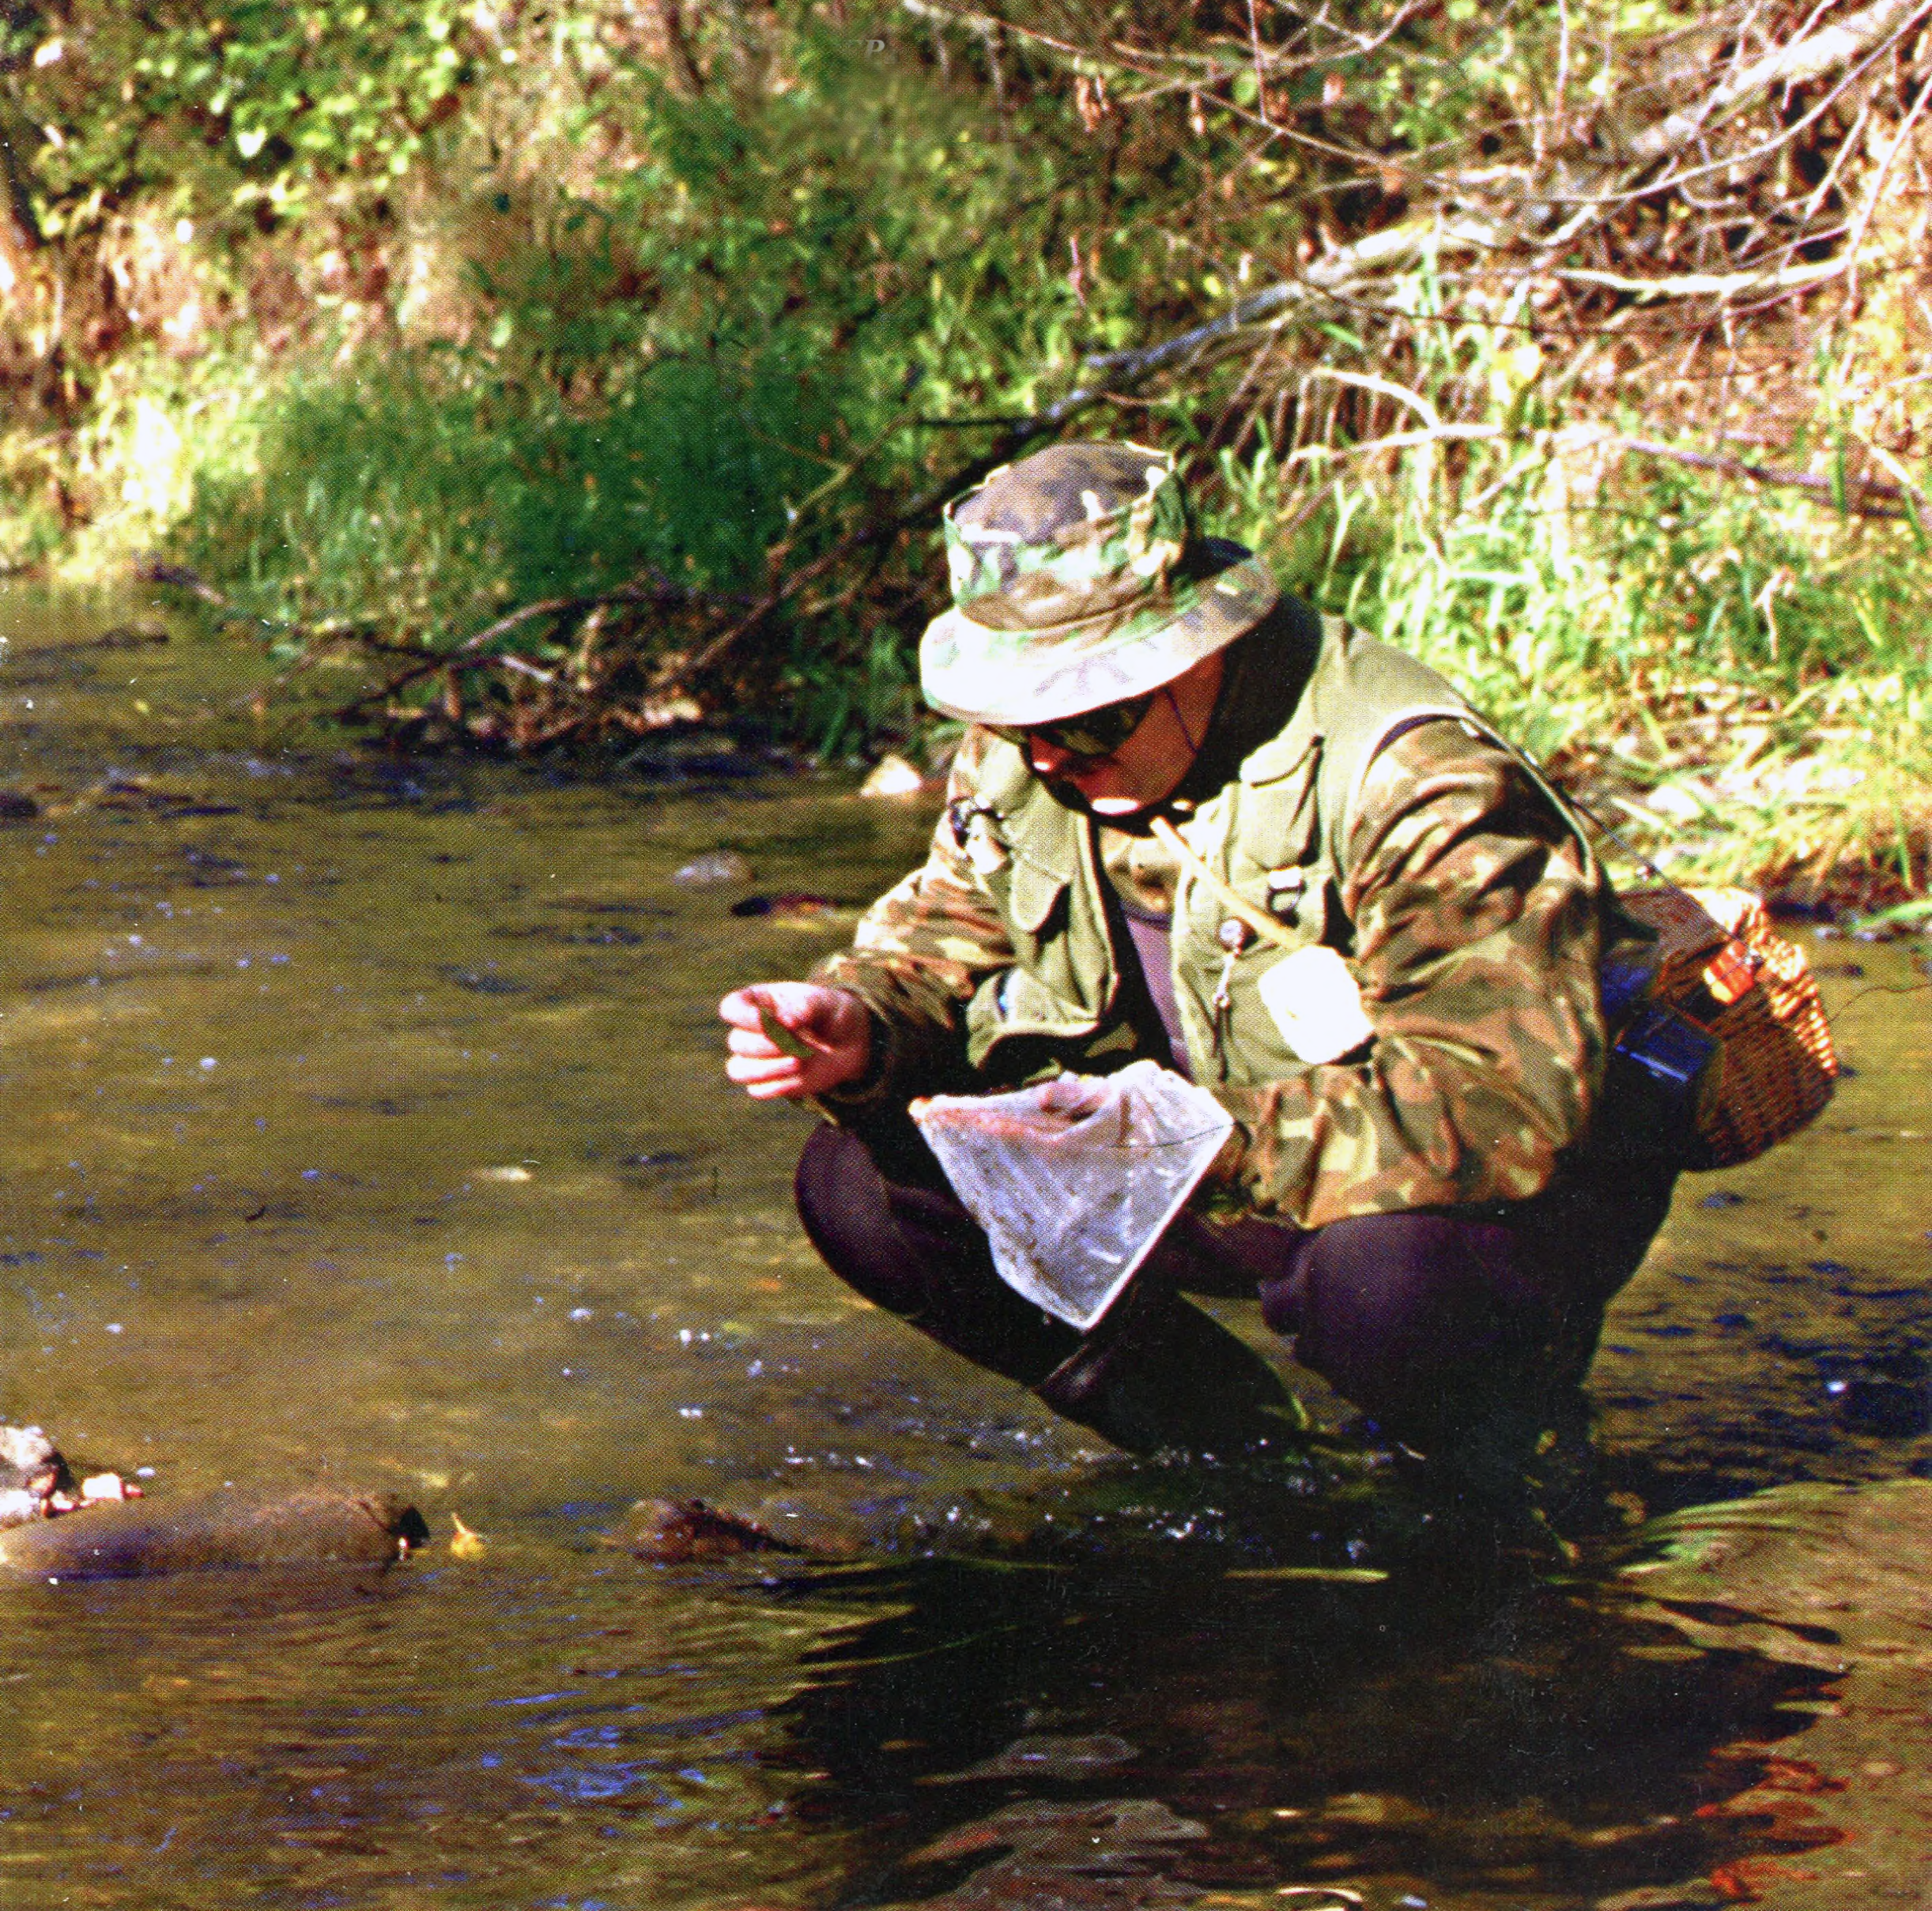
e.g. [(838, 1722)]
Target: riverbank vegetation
[(534, 376)]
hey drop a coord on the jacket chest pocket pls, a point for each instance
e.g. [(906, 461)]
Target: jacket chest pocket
[(1031, 900), (1276, 857), (1267, 847), (1270, 852), (1057, 985)]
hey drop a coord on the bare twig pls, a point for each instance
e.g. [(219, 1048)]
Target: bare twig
[(1855, 243), (1868, 498), (1260, 68), (1708, 285), (1793, 64)]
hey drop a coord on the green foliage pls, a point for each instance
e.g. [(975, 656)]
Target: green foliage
[(840, 703), (753, 332), (247, 106), (1741, 676), (424, 495)]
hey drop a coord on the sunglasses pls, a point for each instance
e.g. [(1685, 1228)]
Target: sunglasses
[(1092, 734)]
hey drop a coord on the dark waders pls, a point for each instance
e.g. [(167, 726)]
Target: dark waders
[(1459, 1332)]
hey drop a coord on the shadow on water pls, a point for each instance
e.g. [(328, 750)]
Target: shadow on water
[(1174, 1739), (365, 1124)]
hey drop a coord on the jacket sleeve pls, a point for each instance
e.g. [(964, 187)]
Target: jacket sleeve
[(918, 954), (1477, 921)]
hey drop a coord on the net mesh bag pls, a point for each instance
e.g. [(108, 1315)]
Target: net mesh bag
[(1074, 1180), (1717, 961)]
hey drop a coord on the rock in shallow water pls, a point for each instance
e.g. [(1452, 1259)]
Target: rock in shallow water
[(210, 1531), (676, 1531), (31, 1468), (37, 1482)]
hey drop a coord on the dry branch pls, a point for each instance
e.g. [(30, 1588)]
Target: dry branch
[(1827, 50), (1560, 216), (1863, 497)]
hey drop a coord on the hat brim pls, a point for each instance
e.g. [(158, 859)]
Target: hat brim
[(969, 671)]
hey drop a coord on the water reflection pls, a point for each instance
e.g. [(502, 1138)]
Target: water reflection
[(365, 1124), (1170, 1738), (520, 1737)]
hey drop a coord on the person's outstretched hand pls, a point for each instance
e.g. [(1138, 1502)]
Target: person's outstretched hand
[(830, 1028)]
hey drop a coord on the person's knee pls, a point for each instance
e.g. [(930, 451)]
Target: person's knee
[(906, 1245), (845, 1207), (831, 1164), (1419, 1318), (910, 1247)]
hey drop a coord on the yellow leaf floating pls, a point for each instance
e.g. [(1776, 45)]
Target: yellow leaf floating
[(464, 1544)]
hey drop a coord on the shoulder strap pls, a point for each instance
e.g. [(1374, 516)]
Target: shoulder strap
[(1573, 813)]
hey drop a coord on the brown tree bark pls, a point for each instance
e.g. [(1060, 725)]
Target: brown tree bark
[(678, 43)]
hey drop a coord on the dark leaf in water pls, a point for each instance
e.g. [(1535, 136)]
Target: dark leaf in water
[(787, 902), (1888, 1409)]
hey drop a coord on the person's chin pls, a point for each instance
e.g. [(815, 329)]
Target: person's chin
[(1116, 805)]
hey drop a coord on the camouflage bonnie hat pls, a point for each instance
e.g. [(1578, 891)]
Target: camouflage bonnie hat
[(1076, 581)]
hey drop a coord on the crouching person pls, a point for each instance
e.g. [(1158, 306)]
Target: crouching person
[(1175, 780)]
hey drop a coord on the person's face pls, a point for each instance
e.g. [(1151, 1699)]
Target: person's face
[(1147, 767)]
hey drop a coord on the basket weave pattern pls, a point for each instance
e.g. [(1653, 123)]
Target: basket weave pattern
[(1776, 1059)]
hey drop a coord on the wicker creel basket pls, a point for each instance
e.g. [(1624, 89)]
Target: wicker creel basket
[(1717, 962)]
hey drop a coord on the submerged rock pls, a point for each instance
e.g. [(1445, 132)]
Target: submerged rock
[(229, 1528), (675, 1531), (1104, 1516)]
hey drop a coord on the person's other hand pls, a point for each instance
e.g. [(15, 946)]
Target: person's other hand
[(831, 1027)]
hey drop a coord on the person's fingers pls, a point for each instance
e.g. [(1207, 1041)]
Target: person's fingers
[(772, 1091), (765, 1075), (741, 1007), (793, 1038)]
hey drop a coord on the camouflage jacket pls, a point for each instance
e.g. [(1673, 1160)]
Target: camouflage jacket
[(1343, 788)]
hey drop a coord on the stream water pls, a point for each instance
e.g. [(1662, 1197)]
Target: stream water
[(365, 1123)]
